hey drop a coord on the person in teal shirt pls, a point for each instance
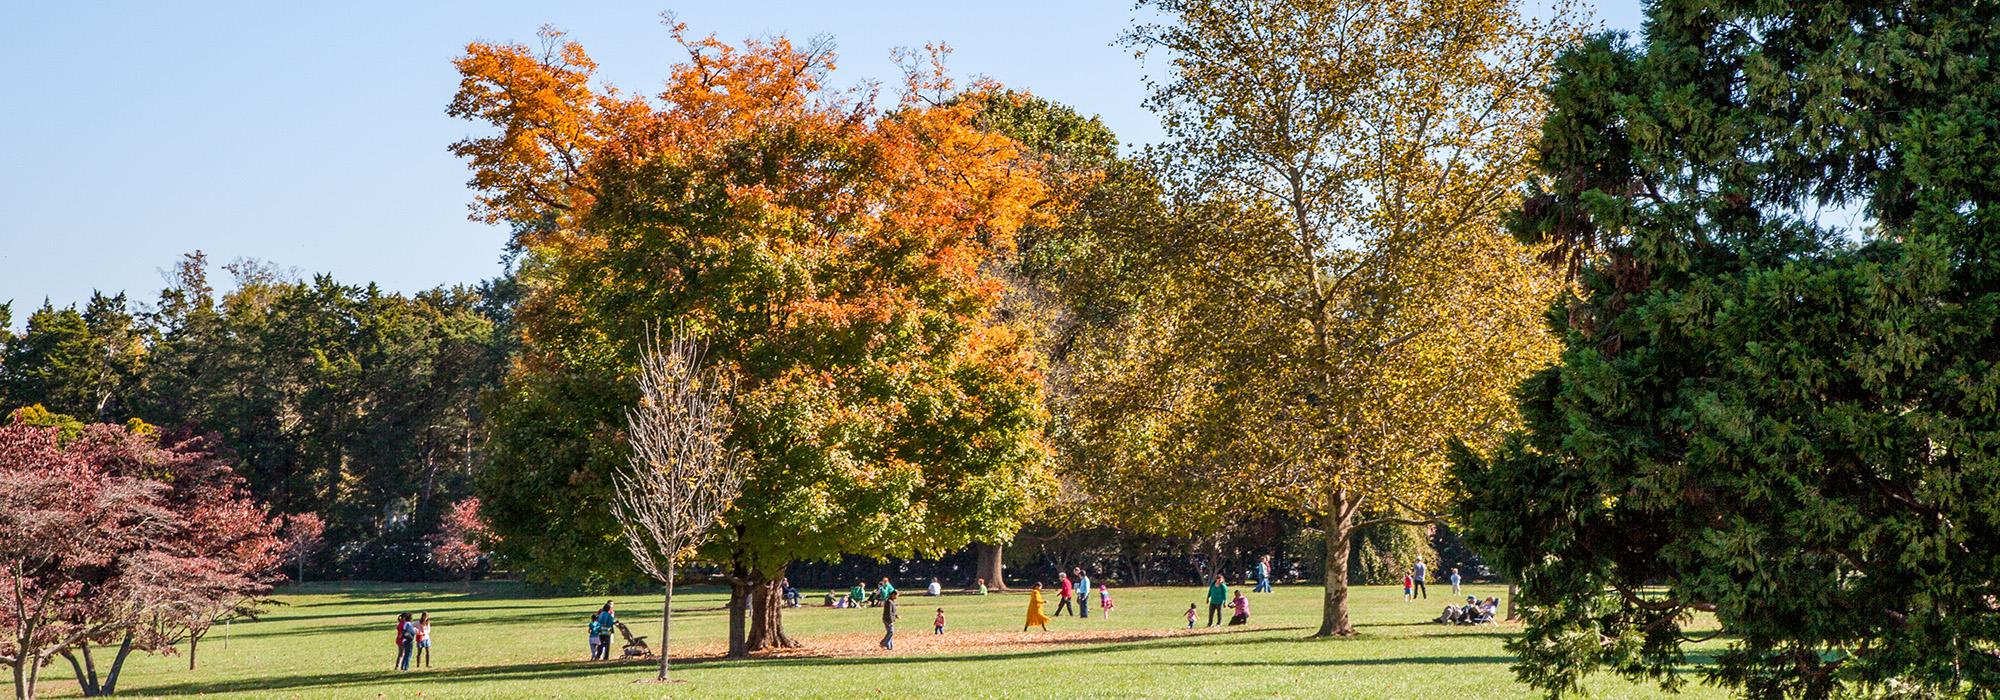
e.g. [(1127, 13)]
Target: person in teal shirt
[(1218, 596), (1082, 593), (858, 595), (885, 589)]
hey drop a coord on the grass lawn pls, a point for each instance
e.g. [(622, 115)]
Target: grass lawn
[(336, 641)]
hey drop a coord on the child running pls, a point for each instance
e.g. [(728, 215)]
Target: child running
[(1192, 615)]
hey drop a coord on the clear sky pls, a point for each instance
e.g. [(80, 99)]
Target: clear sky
[(312, 134)]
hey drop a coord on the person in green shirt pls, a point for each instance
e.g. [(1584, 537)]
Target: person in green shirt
[(885, 589), (857, 595), (1218, 595)]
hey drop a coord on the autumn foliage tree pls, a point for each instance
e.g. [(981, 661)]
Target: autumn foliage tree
[(462, 539), (303, 535), (1340, 295), (834, 252), (120, 537)]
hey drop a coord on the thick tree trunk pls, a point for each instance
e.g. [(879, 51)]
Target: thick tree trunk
[(989, 566), (767, 608), (1513, 592), (1339, 523), (666, 621), (24, 683)]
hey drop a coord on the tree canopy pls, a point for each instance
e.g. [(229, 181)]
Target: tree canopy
[(1760, 413), (835, 255), (1338, 293)]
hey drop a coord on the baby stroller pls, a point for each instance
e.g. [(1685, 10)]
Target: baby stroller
[(634, 646)]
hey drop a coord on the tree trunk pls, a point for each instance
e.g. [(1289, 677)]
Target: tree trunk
[(739, 601), (767, 609), (85, 671), (194, 643), (990, 566), (1513, 593), (24, 684), (666, 620), (1339, 541), (111, 677)]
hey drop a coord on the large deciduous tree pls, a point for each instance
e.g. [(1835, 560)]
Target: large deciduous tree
[(1759, 411), (1341, 293), (834, 253)]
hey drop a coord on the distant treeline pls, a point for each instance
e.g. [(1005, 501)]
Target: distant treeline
[(337, 399)]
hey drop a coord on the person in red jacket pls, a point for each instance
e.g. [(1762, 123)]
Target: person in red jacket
[(1065, 595)]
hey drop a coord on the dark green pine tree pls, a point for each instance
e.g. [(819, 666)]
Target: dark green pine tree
[(1766, 411)]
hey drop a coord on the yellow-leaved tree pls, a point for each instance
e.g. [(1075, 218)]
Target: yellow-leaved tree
[(1337, 294)]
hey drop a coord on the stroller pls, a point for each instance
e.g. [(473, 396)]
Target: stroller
[(634, 646)]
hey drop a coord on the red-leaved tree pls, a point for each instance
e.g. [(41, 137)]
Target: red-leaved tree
[(304, 535), (461, 540), (121, 538)]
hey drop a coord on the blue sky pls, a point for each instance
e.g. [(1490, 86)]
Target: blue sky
[(313, 135)]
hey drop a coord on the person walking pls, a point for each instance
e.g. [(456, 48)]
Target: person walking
[(1417, 577), (1082, 593), (406, 641), (1036, 618), (937, 625), (1067, 590), (1263, 575), (424, 640), (1218, 596), (1104, 593), (1454, 582), (889, 620), (590, 632), (1191, 614), (606, 622)]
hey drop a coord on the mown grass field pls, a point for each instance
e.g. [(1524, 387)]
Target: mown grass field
[(336, 641)]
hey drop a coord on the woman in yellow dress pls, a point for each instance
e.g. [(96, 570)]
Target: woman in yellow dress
[(1036, 618)]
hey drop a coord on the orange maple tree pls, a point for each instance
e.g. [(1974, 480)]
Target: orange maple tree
[(838, 255)]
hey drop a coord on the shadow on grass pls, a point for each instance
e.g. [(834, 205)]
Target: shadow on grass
[(556, 670), (443, 617), (1393, 661)]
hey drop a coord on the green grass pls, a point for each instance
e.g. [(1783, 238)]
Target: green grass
[(335, 641)]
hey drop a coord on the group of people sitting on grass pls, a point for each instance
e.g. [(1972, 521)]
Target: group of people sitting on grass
[(861, 596), (1473, 612)]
